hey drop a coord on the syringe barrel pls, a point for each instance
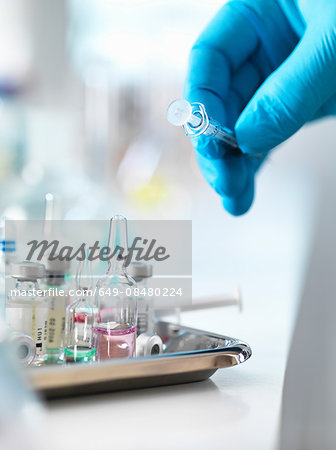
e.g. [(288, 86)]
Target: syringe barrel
[(222, 134)]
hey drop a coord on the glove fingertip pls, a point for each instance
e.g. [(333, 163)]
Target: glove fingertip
[(237, 206), (247, 141), (247, 150), (207, 147), (233, 176), (255, 130)]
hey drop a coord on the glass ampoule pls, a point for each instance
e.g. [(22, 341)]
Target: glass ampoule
[(56, 292), (80, 344), (115, 326), (27, 308)]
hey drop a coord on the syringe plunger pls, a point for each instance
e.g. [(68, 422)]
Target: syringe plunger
[(195, 121)]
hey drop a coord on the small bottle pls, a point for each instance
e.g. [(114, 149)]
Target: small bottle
[(26, 308), (22, 347), (56, 288), (115, 326), (140, 272), (80, 344)]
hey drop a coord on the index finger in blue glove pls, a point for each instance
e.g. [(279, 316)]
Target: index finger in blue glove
[(232, 177), (221, 49), (221, 77)]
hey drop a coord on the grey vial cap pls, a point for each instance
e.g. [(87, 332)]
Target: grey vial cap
[(27, 271), (56, 266), (139, 270)]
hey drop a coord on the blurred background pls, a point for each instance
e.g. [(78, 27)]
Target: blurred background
[(84, 88)]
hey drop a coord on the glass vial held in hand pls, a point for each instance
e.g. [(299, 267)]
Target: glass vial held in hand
[(80, 317), (26, 308), (115, 326)]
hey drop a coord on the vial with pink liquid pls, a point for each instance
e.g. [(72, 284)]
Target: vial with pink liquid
[(115, 324)]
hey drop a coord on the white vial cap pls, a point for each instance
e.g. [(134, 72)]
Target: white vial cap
[(148, 344)]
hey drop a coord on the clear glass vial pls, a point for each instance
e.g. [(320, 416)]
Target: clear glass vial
[(80, 315), (26, 308), (115, 326), (56, 287)]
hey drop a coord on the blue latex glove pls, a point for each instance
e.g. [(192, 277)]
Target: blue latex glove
[(262, 68)]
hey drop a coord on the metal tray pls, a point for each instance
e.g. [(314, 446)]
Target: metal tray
[(189, 355)]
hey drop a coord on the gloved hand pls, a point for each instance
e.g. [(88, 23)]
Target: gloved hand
[(262, 68)]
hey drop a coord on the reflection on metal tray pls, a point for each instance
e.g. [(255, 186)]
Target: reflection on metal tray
[(189, 355)]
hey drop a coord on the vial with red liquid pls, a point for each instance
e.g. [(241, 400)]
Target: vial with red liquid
[(80, 316), (115, 325)]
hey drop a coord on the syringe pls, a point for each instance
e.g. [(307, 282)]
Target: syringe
[(195, 121)]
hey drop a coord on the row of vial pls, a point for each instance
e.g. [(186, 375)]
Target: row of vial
[(50, 326)]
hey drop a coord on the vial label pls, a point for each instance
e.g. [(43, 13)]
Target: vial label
[(144, 320), (83, 329), (83, 335), (40, 329), (56, 324)]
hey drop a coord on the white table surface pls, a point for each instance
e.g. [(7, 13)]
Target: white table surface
[(238, 408)]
